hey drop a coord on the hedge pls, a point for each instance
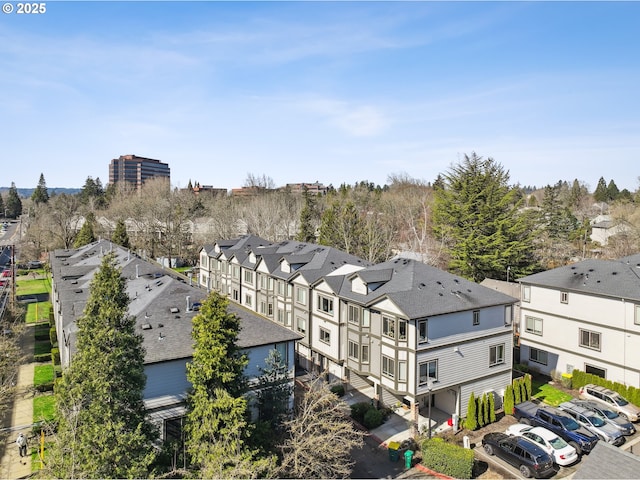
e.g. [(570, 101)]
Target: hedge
[(631, 393), (447, 458)]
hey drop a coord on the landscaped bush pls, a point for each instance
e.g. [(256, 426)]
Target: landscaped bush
[(471, 422), (42, 357), (44, 387), (631, 393), (373, 418), (52, 336), (338, 389), (55, 355), (447, 458)]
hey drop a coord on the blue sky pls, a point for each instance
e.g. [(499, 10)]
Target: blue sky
[(321, 91)]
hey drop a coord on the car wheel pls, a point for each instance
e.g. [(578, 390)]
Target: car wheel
[(623, 415), (525, 471), (489, 449), (577, 447)]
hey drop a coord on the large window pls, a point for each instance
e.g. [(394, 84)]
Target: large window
[(428, 372), (354, 350), (496, 354), (533, 325), (353, 314), (325, 336), (402, 371), (325, 304), (538, 356), (423, 331), (248, 300), (281, 288), (388, 367), (248, 277), (301, 295), (589, 339), (389, 327), (508, 314), (365, 353), (402, 329), (600, 372), (280, 315), (235, 272), (526, 293)]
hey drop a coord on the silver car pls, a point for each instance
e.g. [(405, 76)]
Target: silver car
[(613, 400), (609, 416), (593, 422)]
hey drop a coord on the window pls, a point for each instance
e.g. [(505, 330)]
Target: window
[(248, 276), (236, 294), (283, 351), (281, 289), (508, 314), (402, 371), (248, 300), (325, 336), (365, 354), (270, 309), (301, 296), (235, 271), (476, 317), (354, 350), (496, 354), (301, 324), (428, 372), (637, 319), (388, 367), (280, 315), (533, 325), (263, 281), (287, 319), (325, 304), (538, 356), (589, 339), (263, 307), (422, 331), (388, 327), (353, 314), (526, 293), (366, 318), (600, 372), (402, 329), (564, 297)]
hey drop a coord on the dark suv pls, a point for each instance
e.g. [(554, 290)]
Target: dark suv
[(526, 456)]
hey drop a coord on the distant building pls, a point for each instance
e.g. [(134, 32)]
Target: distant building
[(135, 170), (197, 189), (312, 188)]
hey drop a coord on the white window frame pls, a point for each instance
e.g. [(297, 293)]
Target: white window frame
[(402, 329), (353, 314), (248, 277), (301, 296), (537, 358), (497, 352), (325, 304), (364, 353), (402, 371), (564, 297), (423, 325), (526, 293), (388, 326), (388, 367), (534, 322), (325, 336), (476, 318), (591, 335), (430, 366), (301, 321), (636, 320), (354, 350), (508, 314)]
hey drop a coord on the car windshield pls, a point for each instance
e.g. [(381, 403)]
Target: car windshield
[(557, 443), (610, 414), (596, 421), (569, 423), (620, 400)]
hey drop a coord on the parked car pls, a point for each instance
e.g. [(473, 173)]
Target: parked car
[(561, 452), (530, 459), (593, 422), (613, 400), (609, 416)]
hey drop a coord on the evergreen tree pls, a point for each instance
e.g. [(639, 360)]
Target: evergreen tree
[(102, 431), (93, 193), (517, 391), (86, 235), (612, 191), (471, 421), (40, 194), (477, 216), (508, 401), (492, 408), (341, 227), (217, 408), (308, 215), (2, 212), (527, 386), (13, 204), (120, 236), (485, 408), (600, 193), (480, 410), (558, 220)]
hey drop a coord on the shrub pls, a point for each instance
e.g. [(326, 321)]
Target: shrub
[(55, 355), (52, 336), (492, 407), (528, 388), (358, 411), (447, 458), (373, 418), (471, 422), (45, 387), (521, 367), (508, 401), (42, 357), (480, 412), (517, 392), (338, 389)]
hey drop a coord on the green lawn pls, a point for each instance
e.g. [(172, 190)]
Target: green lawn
[(549, 394), (33, 286), (38, 312), (43, 374), (44, 407)]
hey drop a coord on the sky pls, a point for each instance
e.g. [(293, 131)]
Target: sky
[(335, 92)]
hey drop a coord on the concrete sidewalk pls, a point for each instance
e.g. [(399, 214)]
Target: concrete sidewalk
[(19, 417)]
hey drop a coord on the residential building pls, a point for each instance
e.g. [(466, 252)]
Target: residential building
[(164, 304), (401, 330), (315, 188), (584, 316), (604, 227), (136, 170)]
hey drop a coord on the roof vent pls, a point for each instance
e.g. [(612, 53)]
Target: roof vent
[(78, 290), (160, 325), (614, 273), (146, 326), (174, 310)]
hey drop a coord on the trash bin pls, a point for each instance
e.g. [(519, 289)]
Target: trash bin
[(393, 447), (408, 456)]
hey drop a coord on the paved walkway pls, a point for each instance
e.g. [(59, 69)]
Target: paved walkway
[(19, 417)]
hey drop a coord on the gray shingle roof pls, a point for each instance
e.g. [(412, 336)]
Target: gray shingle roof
[(607, 462), (158, 301), (613, 278), (421, 290)]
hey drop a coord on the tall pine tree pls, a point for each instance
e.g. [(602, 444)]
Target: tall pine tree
[(13, 204), (102, 431), (120, 235), (477, 216), (40, 194), (308, 216)]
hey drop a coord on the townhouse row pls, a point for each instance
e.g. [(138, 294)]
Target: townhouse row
[(401, 331)]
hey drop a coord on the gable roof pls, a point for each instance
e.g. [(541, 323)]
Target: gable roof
[(421, 290), (612, 278)]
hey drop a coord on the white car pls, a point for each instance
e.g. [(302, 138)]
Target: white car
[(562, 453)]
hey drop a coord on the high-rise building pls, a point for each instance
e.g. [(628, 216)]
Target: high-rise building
[(135, 170)]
